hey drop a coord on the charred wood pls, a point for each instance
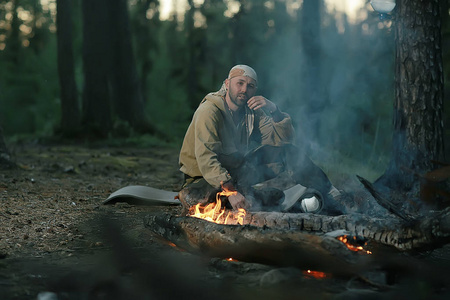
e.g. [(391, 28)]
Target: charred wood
[(391, 207), (273, 246), (310, 230), (430, 232)]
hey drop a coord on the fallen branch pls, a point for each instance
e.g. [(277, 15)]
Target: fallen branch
[(383, 201)]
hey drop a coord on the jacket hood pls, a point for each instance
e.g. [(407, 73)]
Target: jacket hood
[(217, 98)]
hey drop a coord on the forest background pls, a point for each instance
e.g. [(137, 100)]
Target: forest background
[(334, 74)]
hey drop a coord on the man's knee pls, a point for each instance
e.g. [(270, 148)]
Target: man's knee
[(196, 190)]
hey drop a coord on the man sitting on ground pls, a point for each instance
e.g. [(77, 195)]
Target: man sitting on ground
[(237, 139)]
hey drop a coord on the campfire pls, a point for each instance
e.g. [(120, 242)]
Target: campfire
[(322, 246), (214, 212)]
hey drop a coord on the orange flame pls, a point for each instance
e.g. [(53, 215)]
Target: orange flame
[(352, 246), (315, 274), (214, 212)]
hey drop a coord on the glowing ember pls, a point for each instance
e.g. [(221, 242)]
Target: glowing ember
[(174, 246), (352, 245), (315, 274), (214, 212)]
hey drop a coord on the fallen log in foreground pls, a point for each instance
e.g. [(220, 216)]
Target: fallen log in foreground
[(426, 233), (309, 242), (306, 231), (273, 246)]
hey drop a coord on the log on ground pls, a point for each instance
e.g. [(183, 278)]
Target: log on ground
[(428, 232), (274, 246), (284, 230)]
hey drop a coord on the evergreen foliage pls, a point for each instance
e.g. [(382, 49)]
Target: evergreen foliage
[(182, 58), (28, 77)]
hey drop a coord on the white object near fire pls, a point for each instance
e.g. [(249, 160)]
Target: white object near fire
[(311, 204), (383, 6)]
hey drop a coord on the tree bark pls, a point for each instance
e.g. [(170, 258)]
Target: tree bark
[(129, 105), (145, 29), (70, 110), (418, 106), (311, 83), (192, 61), (240, 37), (111, 80), (96, 66)]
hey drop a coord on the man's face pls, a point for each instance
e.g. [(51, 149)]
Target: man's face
[(240, 89)]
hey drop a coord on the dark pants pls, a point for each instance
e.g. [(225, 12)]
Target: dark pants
[(267, 162)]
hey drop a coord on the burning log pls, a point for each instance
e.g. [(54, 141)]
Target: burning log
[(214, 212), (334, 244), (273, 246), (306, 235), (431, 231)]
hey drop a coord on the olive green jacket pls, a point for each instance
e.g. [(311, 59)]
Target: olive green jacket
[(212, 133)]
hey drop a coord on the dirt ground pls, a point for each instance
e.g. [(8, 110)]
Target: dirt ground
[(58, 241)]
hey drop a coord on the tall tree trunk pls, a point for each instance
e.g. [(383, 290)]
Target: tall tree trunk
[(310, 37), (13, 42), (70, 111), (418, 106), (40, 33), (445, 14), (192, 61), (239, 36), (128, 101), (144, 29), (96, 66)]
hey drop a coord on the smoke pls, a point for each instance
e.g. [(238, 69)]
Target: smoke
[(350, 117)]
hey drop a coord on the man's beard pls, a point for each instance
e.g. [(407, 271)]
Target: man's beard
[(238, 99)]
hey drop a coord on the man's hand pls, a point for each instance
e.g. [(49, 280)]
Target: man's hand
[(258, 102), (238, 201)]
